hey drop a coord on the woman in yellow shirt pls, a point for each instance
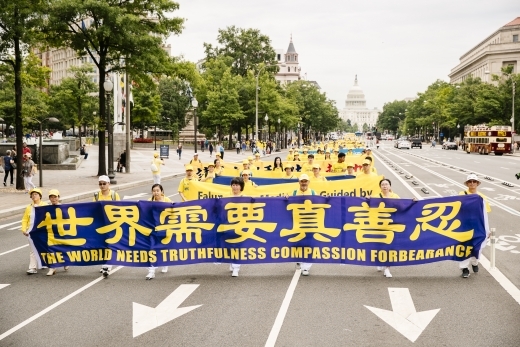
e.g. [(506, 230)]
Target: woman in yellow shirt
[(218, 168), (157, 195), (277, 166), (27, 223), (210, 175), (237, 189)]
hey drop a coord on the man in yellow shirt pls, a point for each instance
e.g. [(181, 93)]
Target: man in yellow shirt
[(307, 167), (105, 194), (27, 223), (290, 155), (316, 174), (303, 191), (185, 183), (340, 165), (289, 171), (472, 182), (195, 162), (366, 170)]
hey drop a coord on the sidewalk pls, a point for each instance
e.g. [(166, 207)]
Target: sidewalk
[(83, 182)]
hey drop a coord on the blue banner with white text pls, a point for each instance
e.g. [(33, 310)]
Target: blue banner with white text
[(245, 230)]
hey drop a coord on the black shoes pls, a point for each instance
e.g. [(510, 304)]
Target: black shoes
[(475, 268), (465, 273), (517, 176)]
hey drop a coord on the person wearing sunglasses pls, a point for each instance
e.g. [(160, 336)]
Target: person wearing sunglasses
[(105, 194), (472, 182)]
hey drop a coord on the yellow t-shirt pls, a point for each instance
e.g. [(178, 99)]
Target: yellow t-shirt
[(165, 199), (307, 167), (108, 197), (338, 167), (307, 192), (362, 174), (184, 184), (26, 219), (488, 208), (392, 196), (289, 157), (319, 178), (158, 162), (209, 178)]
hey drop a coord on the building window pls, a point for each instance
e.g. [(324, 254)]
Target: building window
[(279, 57), (288, 69), (515, 38)]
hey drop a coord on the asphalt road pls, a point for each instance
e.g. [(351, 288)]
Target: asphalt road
[(327, 308)]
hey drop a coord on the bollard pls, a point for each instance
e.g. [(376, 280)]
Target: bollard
[(492, 252)]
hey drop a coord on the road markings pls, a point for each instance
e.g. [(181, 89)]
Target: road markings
[(275, 330), (126, 197), (15, 249), (56, 304), (403, 317), (2, 286), (147, 318), (501, 278), (8, 224)]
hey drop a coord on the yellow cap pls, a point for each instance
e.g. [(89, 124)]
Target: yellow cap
[(54, 192), (350, 165), (316, 166), (367, 162), (156, 155), (257, 154), (189, 167), (35, 190), (246, 172), (250, 158), (245, 161)]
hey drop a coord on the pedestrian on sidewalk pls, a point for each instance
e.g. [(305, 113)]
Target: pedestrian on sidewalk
[(54, 197), (237, 146), (8, 167), (27, 224), (202, 145), (157, 195), (210, 149), (105, 194), (83, 151), (472, 182), (179, 150), (27, 172), (221, 150), (122, 162), (156, 168)]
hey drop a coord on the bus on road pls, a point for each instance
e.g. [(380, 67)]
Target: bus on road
[(483, 139)]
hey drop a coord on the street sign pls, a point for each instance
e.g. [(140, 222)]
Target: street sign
[(441, 134), (164, 151)]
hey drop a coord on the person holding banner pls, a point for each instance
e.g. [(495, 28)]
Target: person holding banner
[(210, 175), (472, 182), (218, 168), (303, 191), (316, 174), (290, 156), (296, 156), (277, 165), (327, 155), (54, 198), (340, 165), (350, 169), (289, 171), (27, 223), (308, 166), (157, 195), (184, 184), (245, 176), (237, 188), (366, 170)]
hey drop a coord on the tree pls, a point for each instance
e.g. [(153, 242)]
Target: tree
[(114, 33), (19, 24), (147, 105), (72, 100), (175, 104)]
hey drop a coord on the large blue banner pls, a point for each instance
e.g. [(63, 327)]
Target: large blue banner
[(314, 229)]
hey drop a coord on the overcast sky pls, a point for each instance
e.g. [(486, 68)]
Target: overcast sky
[(396, 47)]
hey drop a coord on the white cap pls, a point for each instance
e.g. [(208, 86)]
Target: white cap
[(303, 177), (104, 178), (472, 177)]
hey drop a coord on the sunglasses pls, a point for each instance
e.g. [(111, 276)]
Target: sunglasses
[(472, 181), (103, 183)]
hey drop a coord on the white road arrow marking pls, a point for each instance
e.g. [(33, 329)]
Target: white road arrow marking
[(488, 189), (126, 197), (2, 286), (147, 318), (403, 316)]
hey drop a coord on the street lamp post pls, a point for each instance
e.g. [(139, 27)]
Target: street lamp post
[(40, 148), (513, 120), (278, 135), (108, 86), (266, 118), (195, 104), (155, 137), (299, 126), (256, 98)]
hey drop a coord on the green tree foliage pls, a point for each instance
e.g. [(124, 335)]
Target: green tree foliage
[(147, 105), (20, 22), (116, 35), (175, 104), (72, 102)]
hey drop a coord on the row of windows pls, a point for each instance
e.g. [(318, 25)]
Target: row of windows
[(291, 57)]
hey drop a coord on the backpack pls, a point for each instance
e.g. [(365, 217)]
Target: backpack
[(112, 195), (82, 151)]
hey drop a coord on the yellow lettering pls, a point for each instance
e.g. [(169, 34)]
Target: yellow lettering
[(275, 252), (307, 251), (85, 255), (135, 255), (325, 252), (235, 253), (449, 251), (316, 253), (192, 253), (183, 254), (153, 256), (59, 256), (74, 255), (392, 256), (201, 253), (373, 255), (128, 255), (420, 255), (439, 253), (285, 252), (335, 253), (296, 252), (403, 255), (411, 255), (361, 254), (460, 251), (173, 255), (383, 257), (251, 253), (429, 254), (261, 253), (469, 249), (94, 254), (164, 254)]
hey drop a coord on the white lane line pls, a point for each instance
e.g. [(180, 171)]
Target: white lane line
[(18, 227), (501, 279), (504, 282), (53, 306), (169, 196), (275, 330), (2, 286), (14, 249), (8, 224)]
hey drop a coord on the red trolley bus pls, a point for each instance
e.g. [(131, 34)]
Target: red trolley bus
[(485, 139)]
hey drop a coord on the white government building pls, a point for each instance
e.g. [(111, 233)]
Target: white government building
[(500, 49), (356, 109)]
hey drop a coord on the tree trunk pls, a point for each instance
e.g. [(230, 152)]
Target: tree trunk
[(18, 112), (102, 168), (230, 141)]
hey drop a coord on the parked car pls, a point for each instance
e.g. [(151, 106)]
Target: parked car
[(450, 145), (389, 137), (416, 143), (403, 144)]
